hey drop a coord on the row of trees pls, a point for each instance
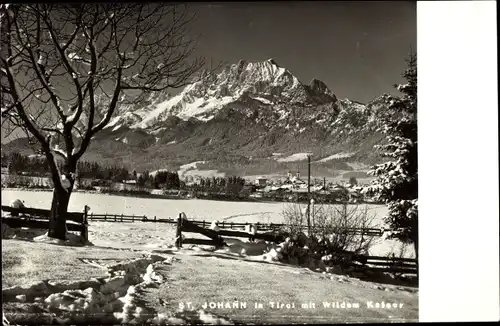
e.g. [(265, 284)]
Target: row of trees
[(39, 166), (160, 180), (229, 185), (18, 163)]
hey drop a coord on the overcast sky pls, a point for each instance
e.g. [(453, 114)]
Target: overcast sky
[(357, 48)]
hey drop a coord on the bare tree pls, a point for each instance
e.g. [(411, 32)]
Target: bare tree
[(66, 68)]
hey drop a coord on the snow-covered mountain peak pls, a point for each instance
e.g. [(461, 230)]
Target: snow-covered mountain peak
[(272, 61), (246, 84)]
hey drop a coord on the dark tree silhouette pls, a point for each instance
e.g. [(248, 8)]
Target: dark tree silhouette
[(66, 68), (397, 180)]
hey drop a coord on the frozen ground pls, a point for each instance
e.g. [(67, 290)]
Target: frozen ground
[(47, 280), (156, 235), (42, 279), (197, 209)]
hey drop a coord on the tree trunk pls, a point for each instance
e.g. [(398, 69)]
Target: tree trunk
[(60, 200), (415, 245), (59, 210)]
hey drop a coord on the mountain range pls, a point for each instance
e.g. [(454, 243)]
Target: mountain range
[(255, 116)]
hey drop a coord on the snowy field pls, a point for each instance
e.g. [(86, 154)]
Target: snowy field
[(294, 157), (336, 157), (156, 235), (197, 209)]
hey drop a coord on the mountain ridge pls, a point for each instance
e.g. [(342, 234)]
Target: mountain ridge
[(247, 110)]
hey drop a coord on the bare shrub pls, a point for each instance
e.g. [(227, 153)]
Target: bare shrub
[(340, 225), (295, 218), (334, 229)]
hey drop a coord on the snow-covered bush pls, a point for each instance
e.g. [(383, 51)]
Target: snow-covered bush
[(215, 226), (18, 203), (397, 180)]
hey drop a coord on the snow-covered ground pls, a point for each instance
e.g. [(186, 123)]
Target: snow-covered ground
[(159, 236), (199, 108), (198, 209), (336, 157), (294, 157), (191, 169), (156, 235), (189, 166), (358, 166)]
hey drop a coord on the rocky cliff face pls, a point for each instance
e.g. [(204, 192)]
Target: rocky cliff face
[(250, 110)]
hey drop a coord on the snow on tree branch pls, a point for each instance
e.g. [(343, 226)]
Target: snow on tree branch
[(397, 180)]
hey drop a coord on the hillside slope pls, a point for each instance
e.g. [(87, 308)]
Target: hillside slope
[(245, 115)]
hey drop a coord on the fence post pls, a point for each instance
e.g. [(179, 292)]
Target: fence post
[(105, 216), (132, 217), (231, 226), (155, 218), (203, 223), (121, 218), (85, 224), (115, 218), (178, 241)]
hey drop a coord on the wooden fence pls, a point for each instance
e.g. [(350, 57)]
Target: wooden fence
[(354, 262), (377, 232), (125, 218), (38, 219), (380, 263), (184, 225), (43, 213)]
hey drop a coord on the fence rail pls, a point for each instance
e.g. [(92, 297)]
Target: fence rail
[(184, 225), (124, 218), (19, 222), (354, 262), (45, 213), (377, 232), (39, 219)]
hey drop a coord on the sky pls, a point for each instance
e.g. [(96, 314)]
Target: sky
[(357, 48)]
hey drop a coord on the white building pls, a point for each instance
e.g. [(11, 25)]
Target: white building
[(261, 181)]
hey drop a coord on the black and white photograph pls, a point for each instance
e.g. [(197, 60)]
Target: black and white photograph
[(209, 163)]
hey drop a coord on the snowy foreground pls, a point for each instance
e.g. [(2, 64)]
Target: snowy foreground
[(132, 273)]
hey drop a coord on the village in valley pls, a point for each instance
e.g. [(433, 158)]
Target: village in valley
[(168, 163), (291, 187), (294, 184)]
